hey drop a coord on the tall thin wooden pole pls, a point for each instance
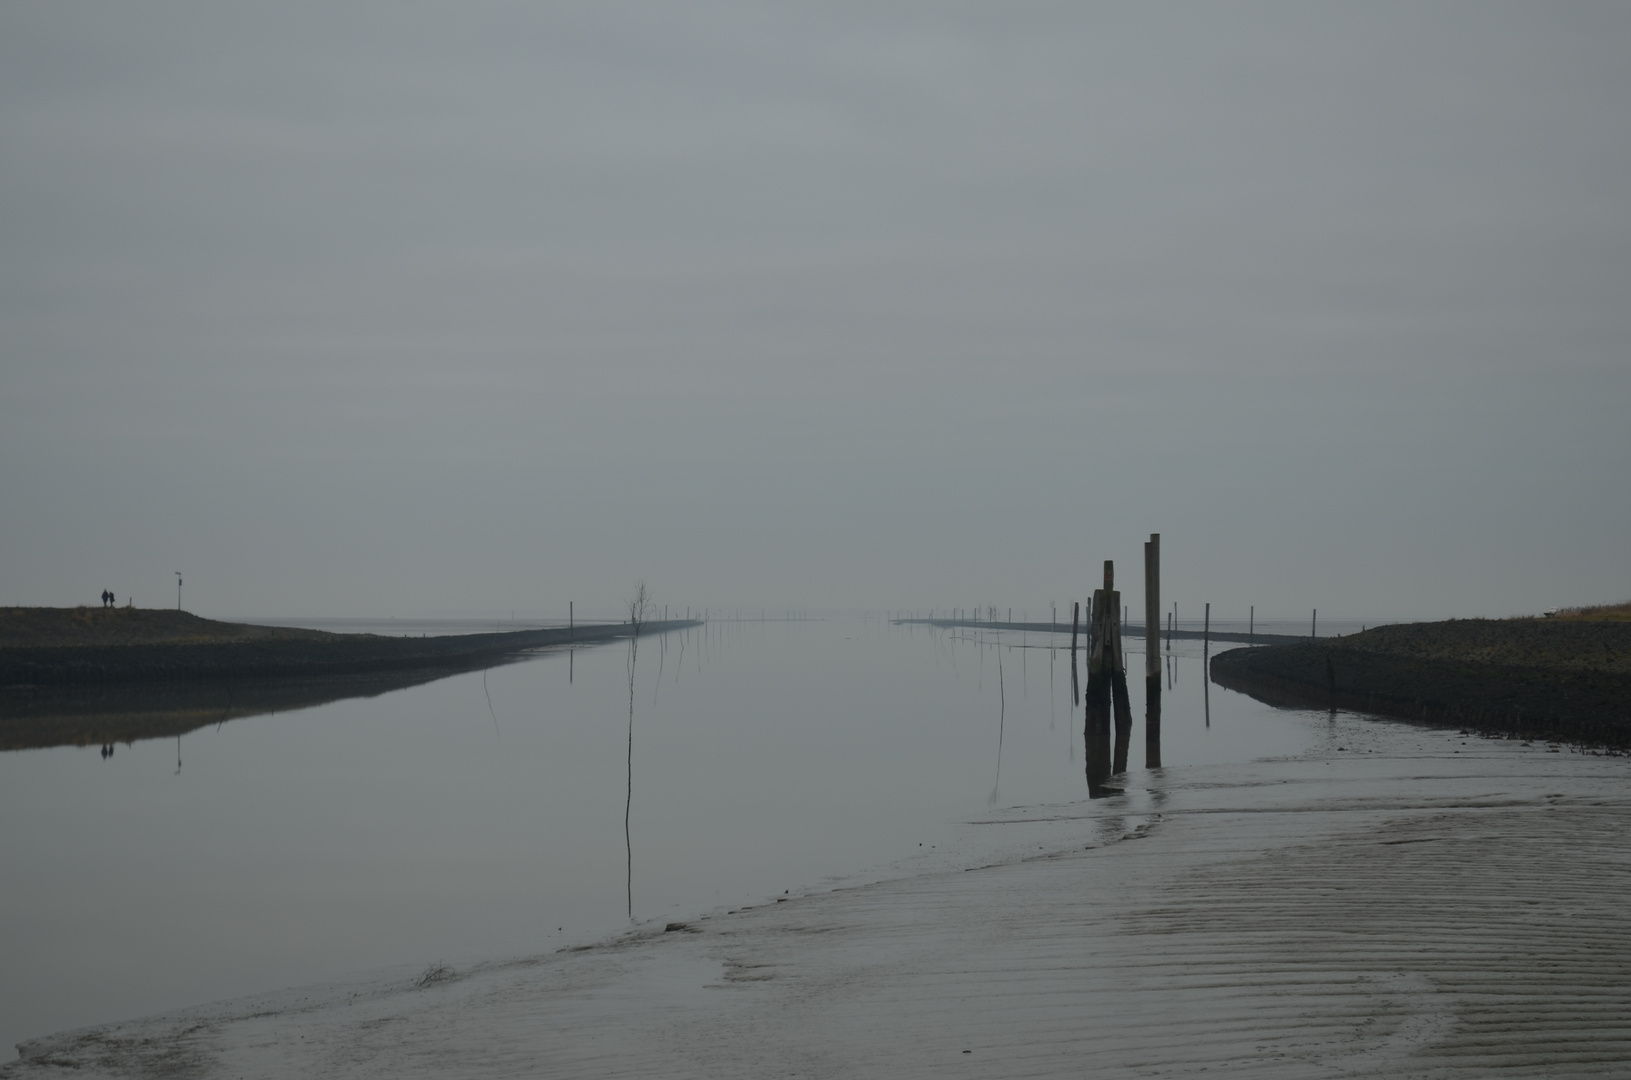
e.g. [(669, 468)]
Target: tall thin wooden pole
[(1101, 651), (1251, 626), (1206, 663), (1313, 624), (1152, 652), (1152, 606)]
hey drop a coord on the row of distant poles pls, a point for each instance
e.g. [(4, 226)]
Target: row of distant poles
[(1106, 693)]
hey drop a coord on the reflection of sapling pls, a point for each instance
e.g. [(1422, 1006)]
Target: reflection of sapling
[(639, 603)]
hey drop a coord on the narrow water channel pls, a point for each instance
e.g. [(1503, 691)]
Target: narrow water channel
[(484, 815)]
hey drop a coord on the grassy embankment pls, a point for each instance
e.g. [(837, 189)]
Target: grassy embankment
[(1565, 676)]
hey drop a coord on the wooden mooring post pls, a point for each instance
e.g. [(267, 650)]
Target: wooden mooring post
[(1206, 666), (1152, 652), (1106, 688), (1096, 733), (1118, 681)]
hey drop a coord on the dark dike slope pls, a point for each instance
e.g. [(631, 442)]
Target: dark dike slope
[(263, 658), (1536, 678), (92, 695)]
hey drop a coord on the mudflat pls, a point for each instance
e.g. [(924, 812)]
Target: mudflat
[(1398, 902)]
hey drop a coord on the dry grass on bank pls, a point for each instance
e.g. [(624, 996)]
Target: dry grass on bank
[(24, 627), (1620, 612)]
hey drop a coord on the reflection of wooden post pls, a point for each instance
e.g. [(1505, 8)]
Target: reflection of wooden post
[(1152, 652), (1075, 619), (1118, 689)]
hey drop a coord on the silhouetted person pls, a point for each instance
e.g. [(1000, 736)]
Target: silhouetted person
[(111, 600), (104, 598)]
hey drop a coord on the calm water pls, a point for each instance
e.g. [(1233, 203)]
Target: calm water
[(484, 815)]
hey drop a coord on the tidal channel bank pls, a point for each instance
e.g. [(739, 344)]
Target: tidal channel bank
[(1535, 678), (81, 676)]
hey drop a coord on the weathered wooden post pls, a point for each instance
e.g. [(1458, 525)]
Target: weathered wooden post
[(1206, 666), (1251, 627), (1100, 660), (1152, 652)]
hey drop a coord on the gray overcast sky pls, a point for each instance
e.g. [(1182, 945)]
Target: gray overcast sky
[(418, 309)]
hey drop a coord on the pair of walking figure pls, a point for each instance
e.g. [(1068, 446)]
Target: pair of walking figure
[(107, 598)]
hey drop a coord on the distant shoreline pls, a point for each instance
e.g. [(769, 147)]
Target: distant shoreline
[(1130, 632)]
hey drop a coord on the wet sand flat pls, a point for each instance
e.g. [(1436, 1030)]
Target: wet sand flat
[(1415, 904)]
